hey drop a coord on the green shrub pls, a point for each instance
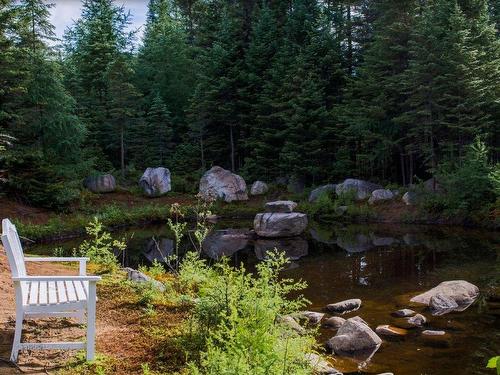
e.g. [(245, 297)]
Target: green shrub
[(99, 248), (236, 324)]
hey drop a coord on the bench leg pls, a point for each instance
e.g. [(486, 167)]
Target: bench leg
[(17, 335), (91, 307)]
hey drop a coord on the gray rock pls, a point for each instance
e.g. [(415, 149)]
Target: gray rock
[(159, 249), (225, 242), (324, 189), (417, 321), (404, 313), (387, 330), (280, 224), (105, 183), (219, 183), (311, 316), (334, 322), (352, 336), (429, 332), (381, 195), (344, 306), (363, 189), (294, 247), (139, 277), (321, 236), (259, 188), (441, 304), (460, 291), (320, 365), (409, 198), (291, 323), (280, 206), (155, 181), (432, 185)]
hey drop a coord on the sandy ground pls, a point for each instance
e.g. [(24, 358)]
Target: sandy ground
[(121, 327)]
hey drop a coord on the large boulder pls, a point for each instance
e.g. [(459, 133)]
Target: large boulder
[(104, 183), (271, 224), (362, 189), (219, 183), (354, 335), (159, 249), (410, 198), (461, 292), (155, 181), (325, 189), (225, 242), (259, 188), (294, 247), (381, 195), (281, 206)]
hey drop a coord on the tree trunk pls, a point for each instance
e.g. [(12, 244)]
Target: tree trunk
[(231, 137), (202, 149), (122, 151), (349, 41)]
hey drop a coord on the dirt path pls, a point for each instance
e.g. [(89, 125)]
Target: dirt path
[(122, 328)]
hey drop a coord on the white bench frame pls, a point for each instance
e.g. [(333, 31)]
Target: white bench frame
[(54, 305)]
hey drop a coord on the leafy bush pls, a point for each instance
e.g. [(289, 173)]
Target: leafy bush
[(469, 184), (236, 324), (99, 248)]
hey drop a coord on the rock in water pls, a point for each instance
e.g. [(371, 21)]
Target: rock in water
[(321, 366), (460, 291), (280, 206), (344, 306), (362, 189), (311, 316), (441, 304), (354, 335), (155, 181), (334, 322), (219, 183), (259, 188), (404, 313), (325, 189), (381, 195), (387, 330), (105, 183), (417, 321), (429, 332), (280, 224)]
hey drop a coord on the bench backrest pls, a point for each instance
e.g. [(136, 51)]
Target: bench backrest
[(12, 245)]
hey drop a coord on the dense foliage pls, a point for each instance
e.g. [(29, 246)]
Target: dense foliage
[(310, 90)]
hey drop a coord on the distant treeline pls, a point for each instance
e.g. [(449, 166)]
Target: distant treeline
[(315, 90)]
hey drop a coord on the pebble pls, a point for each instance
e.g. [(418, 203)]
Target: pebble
[(404, 313), (429, 332), (387, 330)]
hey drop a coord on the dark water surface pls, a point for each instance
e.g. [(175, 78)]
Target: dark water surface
[(384, 266)]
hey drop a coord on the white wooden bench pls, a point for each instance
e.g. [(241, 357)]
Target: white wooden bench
[(49, 296)]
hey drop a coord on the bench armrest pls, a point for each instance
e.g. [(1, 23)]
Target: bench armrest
[(57, 278), (82, 260)]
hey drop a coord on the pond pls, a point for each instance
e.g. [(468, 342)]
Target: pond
[(384, 266)]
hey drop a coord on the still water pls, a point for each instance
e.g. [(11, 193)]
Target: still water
[(384, 266)]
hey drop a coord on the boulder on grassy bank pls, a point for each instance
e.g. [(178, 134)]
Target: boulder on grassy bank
[(362, 189), (324, 189), (259, 188), (219, 183), (104, 183), (381, 195), (155, 181)]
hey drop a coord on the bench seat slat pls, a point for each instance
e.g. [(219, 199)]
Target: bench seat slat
[(42, 293), (61, 292), (34, 293), (52, 293)]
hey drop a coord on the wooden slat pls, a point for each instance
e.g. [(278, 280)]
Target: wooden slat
[(61, 292), (34, 293), (42, 293), (52, 293), (52, 345), (25, 286), (70, 289), (80, 291)]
